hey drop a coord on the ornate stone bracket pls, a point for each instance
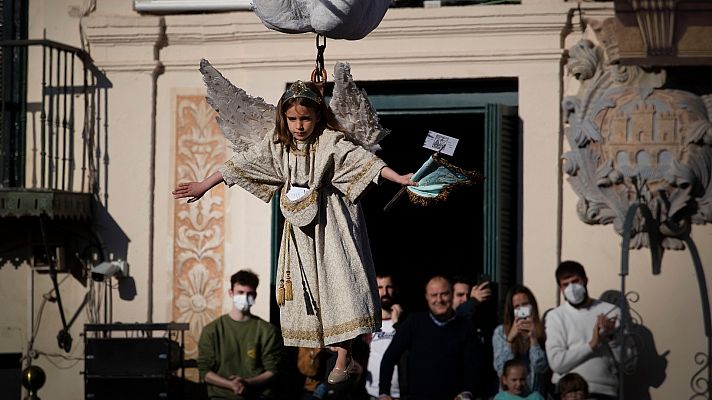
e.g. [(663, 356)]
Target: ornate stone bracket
[(631, 139), (657, 32), (656, 20)]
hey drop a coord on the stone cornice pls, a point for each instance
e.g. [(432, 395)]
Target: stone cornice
[(125, 43), (147, 66), (462, 35), (484, 21), (467, 35), (128, 30), (400, 58)]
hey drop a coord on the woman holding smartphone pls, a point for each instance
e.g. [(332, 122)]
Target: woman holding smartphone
[(521, 336)]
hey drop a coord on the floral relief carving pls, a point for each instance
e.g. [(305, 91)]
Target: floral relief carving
[(198, 242), (631, 139), (196, 302)]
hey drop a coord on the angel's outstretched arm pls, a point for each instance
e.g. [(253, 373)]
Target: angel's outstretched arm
[(393, 176), (196, 190)]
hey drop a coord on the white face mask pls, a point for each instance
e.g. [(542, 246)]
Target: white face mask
[(243, 302), (575, 293)]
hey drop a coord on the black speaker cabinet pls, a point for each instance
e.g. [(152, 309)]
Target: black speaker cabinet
[(131, 357), (10, 376), (134, 388)]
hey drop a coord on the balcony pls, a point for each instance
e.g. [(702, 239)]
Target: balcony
[(53, 115)]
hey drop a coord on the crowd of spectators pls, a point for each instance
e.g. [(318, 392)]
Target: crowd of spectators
[(459, 348)]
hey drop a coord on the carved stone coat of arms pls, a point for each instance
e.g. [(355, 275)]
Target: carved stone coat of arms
[(632, 140)]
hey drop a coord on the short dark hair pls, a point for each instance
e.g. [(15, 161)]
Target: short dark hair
[(385, 274), (513, 363), (569, 268), (245, 277), (572, 382), (461, 279)]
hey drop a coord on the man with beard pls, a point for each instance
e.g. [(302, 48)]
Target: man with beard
[(379, 341), (580, 334), (443, 352)]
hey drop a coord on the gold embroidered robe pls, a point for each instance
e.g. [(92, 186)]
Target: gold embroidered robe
[(331, 252)]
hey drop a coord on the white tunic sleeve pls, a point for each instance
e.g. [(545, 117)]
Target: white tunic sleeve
[(257, 170)]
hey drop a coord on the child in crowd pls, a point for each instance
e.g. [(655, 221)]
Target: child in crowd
[(572, 386), (514, 382)]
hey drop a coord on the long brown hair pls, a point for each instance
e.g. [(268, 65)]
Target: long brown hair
[(326, 117), (519, 346)]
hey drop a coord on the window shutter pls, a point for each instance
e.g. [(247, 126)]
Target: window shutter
[(13, 75), (500, 252)]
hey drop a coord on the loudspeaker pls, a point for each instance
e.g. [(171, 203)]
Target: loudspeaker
[(131, 357), (134, 388), (10, 376)]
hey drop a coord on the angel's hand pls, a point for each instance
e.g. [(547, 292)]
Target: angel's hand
[(406, 181), (395, 177), (194, 190)]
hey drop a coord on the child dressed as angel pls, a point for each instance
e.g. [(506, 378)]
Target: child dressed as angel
[(326, 279)]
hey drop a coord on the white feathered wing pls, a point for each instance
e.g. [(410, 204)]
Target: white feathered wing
[(243, 119), (246, 120), (354, 110)]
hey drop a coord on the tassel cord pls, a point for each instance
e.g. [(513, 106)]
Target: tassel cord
[(309, 301)]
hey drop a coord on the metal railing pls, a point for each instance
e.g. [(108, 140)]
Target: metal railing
[(53, 119)]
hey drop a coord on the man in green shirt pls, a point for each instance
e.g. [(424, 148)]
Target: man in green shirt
[(239, 353)]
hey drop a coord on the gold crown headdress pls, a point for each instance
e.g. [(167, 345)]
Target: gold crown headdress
[(300, 89)]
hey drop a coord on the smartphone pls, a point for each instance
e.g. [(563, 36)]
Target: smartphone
[(482, 278), (522, 312)]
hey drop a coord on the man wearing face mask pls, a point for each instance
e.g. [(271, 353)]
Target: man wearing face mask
[(239, 353), (580, 334)]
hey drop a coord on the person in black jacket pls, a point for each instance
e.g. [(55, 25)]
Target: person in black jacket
[(443, 350), (478, 304)]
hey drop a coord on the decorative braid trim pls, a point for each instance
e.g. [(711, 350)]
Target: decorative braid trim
[(442, 196), (361, 174), (474, 176), (298, 205), (264, 192), (367, 321), (319, 335)]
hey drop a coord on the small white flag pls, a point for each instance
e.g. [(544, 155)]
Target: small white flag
[(440, 143)]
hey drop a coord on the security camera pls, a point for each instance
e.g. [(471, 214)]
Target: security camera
[(109, 269)]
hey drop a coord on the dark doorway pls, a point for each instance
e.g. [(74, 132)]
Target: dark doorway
[(474, 232), (413, 242)]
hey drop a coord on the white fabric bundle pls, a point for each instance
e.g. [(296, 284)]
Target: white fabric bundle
[(335, 19)]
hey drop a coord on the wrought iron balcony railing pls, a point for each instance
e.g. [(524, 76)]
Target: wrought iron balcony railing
[(53, 113)]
